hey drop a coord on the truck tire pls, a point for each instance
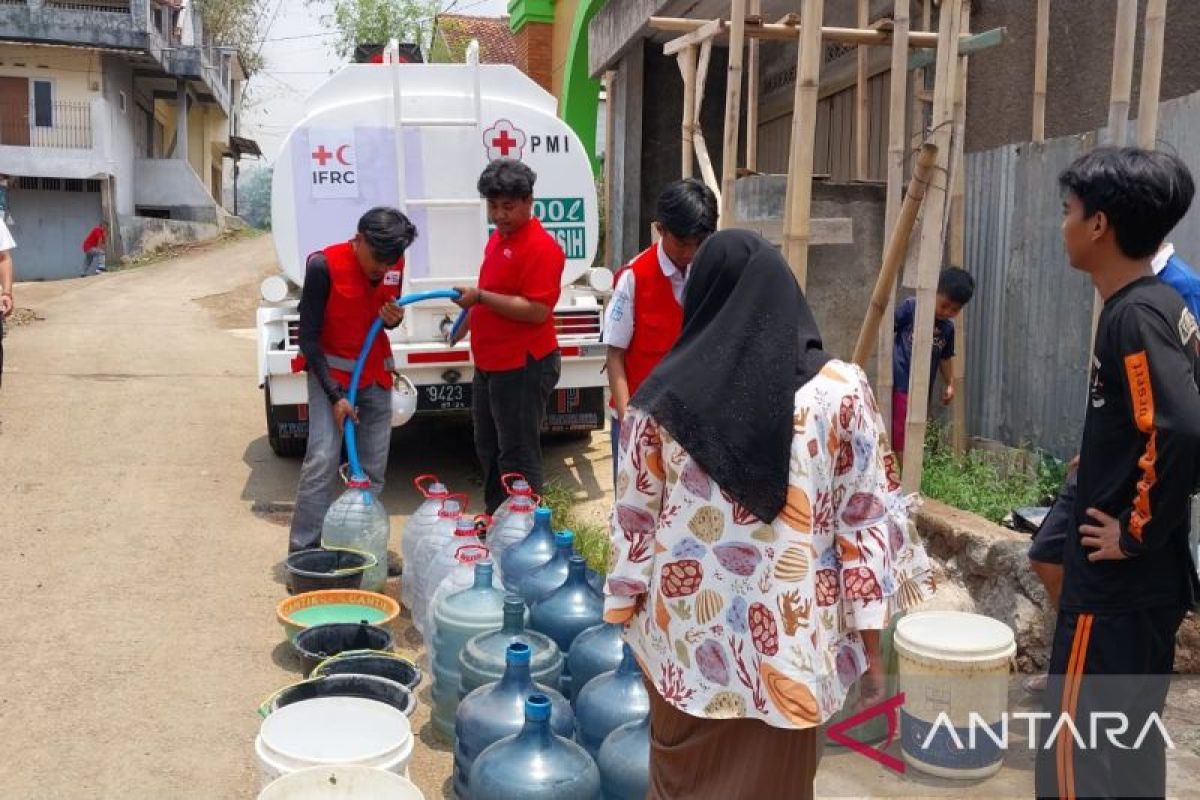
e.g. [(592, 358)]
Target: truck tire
[(283, 444)]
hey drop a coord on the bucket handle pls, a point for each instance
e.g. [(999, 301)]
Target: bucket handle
[(420, 481), (507, 480), (371, 561), (264, 709)]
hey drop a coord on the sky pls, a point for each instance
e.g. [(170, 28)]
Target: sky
[(298, 48)]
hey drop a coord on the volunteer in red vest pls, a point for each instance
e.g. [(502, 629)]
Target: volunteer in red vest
[(346, 286), (511, 325), (645, 314)]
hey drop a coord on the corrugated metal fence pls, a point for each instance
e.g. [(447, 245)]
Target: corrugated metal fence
[(1029, 324)]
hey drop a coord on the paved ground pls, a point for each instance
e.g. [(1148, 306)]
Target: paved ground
[(142, 536), (142, 528)]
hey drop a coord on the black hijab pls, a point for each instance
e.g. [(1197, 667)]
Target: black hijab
[(726, 391)]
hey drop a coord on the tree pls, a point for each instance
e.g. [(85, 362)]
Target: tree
[(235, 23), (254, 197), (376, 21)]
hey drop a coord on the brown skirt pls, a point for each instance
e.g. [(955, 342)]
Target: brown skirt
[(727, 759)]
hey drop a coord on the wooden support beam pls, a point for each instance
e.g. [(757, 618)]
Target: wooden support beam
[(1152, 57), (798, 206), (882, 297), (752, 92), (917, 123), (861, 133), (706, 168), (687, 67), (781, 33), (733, 113), (705, 32), (897, 139), (1041, 56), (957, 251), (932, 243)]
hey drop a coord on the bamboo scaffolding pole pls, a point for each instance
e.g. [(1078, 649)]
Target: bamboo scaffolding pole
[(1041, 54), (932, 243), (610, 81), (861, 133), (1122, 72), (893, 260), (958, 247), (701, 146), (1118, 113), (1152, 57), (917, 123), (687, 67), (752, 91), (778, 32), (897, 138), (798, 207), (733, 114)]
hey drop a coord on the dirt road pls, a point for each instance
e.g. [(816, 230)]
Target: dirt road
[(142, 533)]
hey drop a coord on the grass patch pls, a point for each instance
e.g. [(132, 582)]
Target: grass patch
[(591, 540), (974, 482)]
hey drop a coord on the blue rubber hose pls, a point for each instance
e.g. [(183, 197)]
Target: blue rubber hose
[(356, 471)]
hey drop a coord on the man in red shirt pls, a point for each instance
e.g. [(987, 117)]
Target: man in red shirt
[(511, 325), (645, 314), (346, 286), (93, 251)]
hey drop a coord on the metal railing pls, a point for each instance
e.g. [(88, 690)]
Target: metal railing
[(100, 6), (68, 125)]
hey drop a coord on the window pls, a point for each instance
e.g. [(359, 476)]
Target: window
[(43, 104)]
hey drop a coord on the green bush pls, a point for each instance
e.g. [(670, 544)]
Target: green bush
[(975, 483)]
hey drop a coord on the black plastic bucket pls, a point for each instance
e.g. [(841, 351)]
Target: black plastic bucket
[(321, 568), (368, 687), (320, 642), (382, 665)]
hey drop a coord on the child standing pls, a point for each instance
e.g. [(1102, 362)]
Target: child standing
[(955, 289)]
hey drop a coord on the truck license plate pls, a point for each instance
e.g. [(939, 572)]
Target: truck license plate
[(445, 397)]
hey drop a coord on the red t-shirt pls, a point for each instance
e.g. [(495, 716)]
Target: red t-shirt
[(95, 238), (528, 264)]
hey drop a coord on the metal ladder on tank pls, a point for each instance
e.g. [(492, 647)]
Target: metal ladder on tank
[(392, 58)]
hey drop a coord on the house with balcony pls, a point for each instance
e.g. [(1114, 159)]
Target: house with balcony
[(120, 111)]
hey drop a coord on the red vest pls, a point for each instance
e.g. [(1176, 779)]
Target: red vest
[(657, 318), (352, 307)]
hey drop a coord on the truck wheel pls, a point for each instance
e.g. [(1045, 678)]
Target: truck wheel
[(281, 429)]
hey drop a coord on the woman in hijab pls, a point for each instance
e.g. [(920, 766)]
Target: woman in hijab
[(759, 541)]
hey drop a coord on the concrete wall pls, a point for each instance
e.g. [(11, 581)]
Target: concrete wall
[(77, 74), (118, 80), (840, 277), (1000, 96), (170, 183), (145, 235), (35, 21)]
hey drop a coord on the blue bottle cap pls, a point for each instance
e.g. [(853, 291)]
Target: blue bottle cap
[(518, 653), (564, 538), (537, 708), (542, 515)]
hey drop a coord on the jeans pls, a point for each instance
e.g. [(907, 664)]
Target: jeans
[(324, 456), (508, 409), (93, 262)]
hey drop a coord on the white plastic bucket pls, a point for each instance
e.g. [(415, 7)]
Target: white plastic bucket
[(327, 731), (954, 673), (344, 782)]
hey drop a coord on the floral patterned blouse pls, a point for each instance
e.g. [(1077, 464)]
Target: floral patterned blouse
[(733, 617)]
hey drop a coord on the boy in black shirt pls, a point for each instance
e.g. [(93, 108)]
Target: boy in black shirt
[(1128, 577)]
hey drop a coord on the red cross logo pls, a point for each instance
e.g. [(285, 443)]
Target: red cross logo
[(321, 155), (504, 140)]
